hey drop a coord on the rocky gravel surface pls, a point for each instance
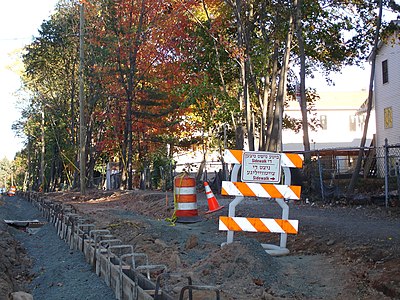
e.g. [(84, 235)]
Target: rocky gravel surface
[(55, 271)]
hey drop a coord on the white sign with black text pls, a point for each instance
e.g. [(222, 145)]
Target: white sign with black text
[(261, 167)]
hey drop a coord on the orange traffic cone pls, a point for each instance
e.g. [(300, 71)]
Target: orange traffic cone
[(212, 201)]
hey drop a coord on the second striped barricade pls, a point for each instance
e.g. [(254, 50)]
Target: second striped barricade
[(258, 225)]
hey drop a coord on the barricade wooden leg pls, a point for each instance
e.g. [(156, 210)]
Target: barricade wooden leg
[(231, 213), (285, 216), (234, 203)]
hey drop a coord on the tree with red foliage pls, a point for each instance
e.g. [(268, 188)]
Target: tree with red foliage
[(142, 42)]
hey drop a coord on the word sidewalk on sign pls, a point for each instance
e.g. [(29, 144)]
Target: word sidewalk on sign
[(262, 167)]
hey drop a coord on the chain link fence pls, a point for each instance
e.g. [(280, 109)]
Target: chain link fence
[(162, 178), (325, 178), (330, 172)]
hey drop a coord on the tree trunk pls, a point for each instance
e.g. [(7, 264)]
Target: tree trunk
[(239, 137), (244, 93), (42, 152), (129, 142), (272, 98), (281, 94), (303, 99), (82, 121), (131, 83)]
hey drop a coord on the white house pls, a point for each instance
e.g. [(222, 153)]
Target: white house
[(341, 123), (341, 120), (387, 91), (341, 127)]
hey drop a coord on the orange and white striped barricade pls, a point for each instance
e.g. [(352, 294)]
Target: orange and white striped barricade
[(258, 225), (260, 174)]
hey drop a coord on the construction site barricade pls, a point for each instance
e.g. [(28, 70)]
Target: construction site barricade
[(185, 199), (258, 225), (262, 178)]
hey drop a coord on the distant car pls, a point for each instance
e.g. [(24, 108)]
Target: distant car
[(11, 191)]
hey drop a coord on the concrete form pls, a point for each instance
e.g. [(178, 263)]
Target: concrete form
[(127, 273)]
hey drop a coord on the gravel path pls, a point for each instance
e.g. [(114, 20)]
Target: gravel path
[(60, 273)]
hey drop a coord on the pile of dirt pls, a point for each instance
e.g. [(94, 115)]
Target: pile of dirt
[(14, 263)]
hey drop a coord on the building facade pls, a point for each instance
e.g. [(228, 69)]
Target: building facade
[(387, 92), (341, 119), (341, 122)]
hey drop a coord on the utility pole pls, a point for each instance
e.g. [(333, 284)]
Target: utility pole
[(357, 168), (42, 151), (82, 127)]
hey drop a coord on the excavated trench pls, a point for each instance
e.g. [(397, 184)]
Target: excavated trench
[(130, 275)]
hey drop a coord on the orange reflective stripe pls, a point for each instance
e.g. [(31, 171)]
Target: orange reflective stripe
[(296, 189), (224, 192), (244, 189), (272, 190), (230, 223), (238, 154), (258, 224), (296, 159), (286, 226)]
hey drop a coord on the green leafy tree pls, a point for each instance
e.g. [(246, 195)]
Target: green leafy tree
[(261, 41), (6, 173)]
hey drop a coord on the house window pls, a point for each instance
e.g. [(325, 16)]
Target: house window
[(353, 123), (324, 122), (385, 73), (361, 121), (388, 117)]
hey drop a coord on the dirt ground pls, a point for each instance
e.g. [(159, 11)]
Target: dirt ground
[(341, 252), (14, 264)]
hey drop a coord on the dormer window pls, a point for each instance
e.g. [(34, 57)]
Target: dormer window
[(385, 73)]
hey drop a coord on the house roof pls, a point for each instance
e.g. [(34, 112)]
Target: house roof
[(364, 106), (382, 43), (335, 101)]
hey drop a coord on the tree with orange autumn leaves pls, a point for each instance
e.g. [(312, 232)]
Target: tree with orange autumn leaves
[(144, 42), (133, 71)]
